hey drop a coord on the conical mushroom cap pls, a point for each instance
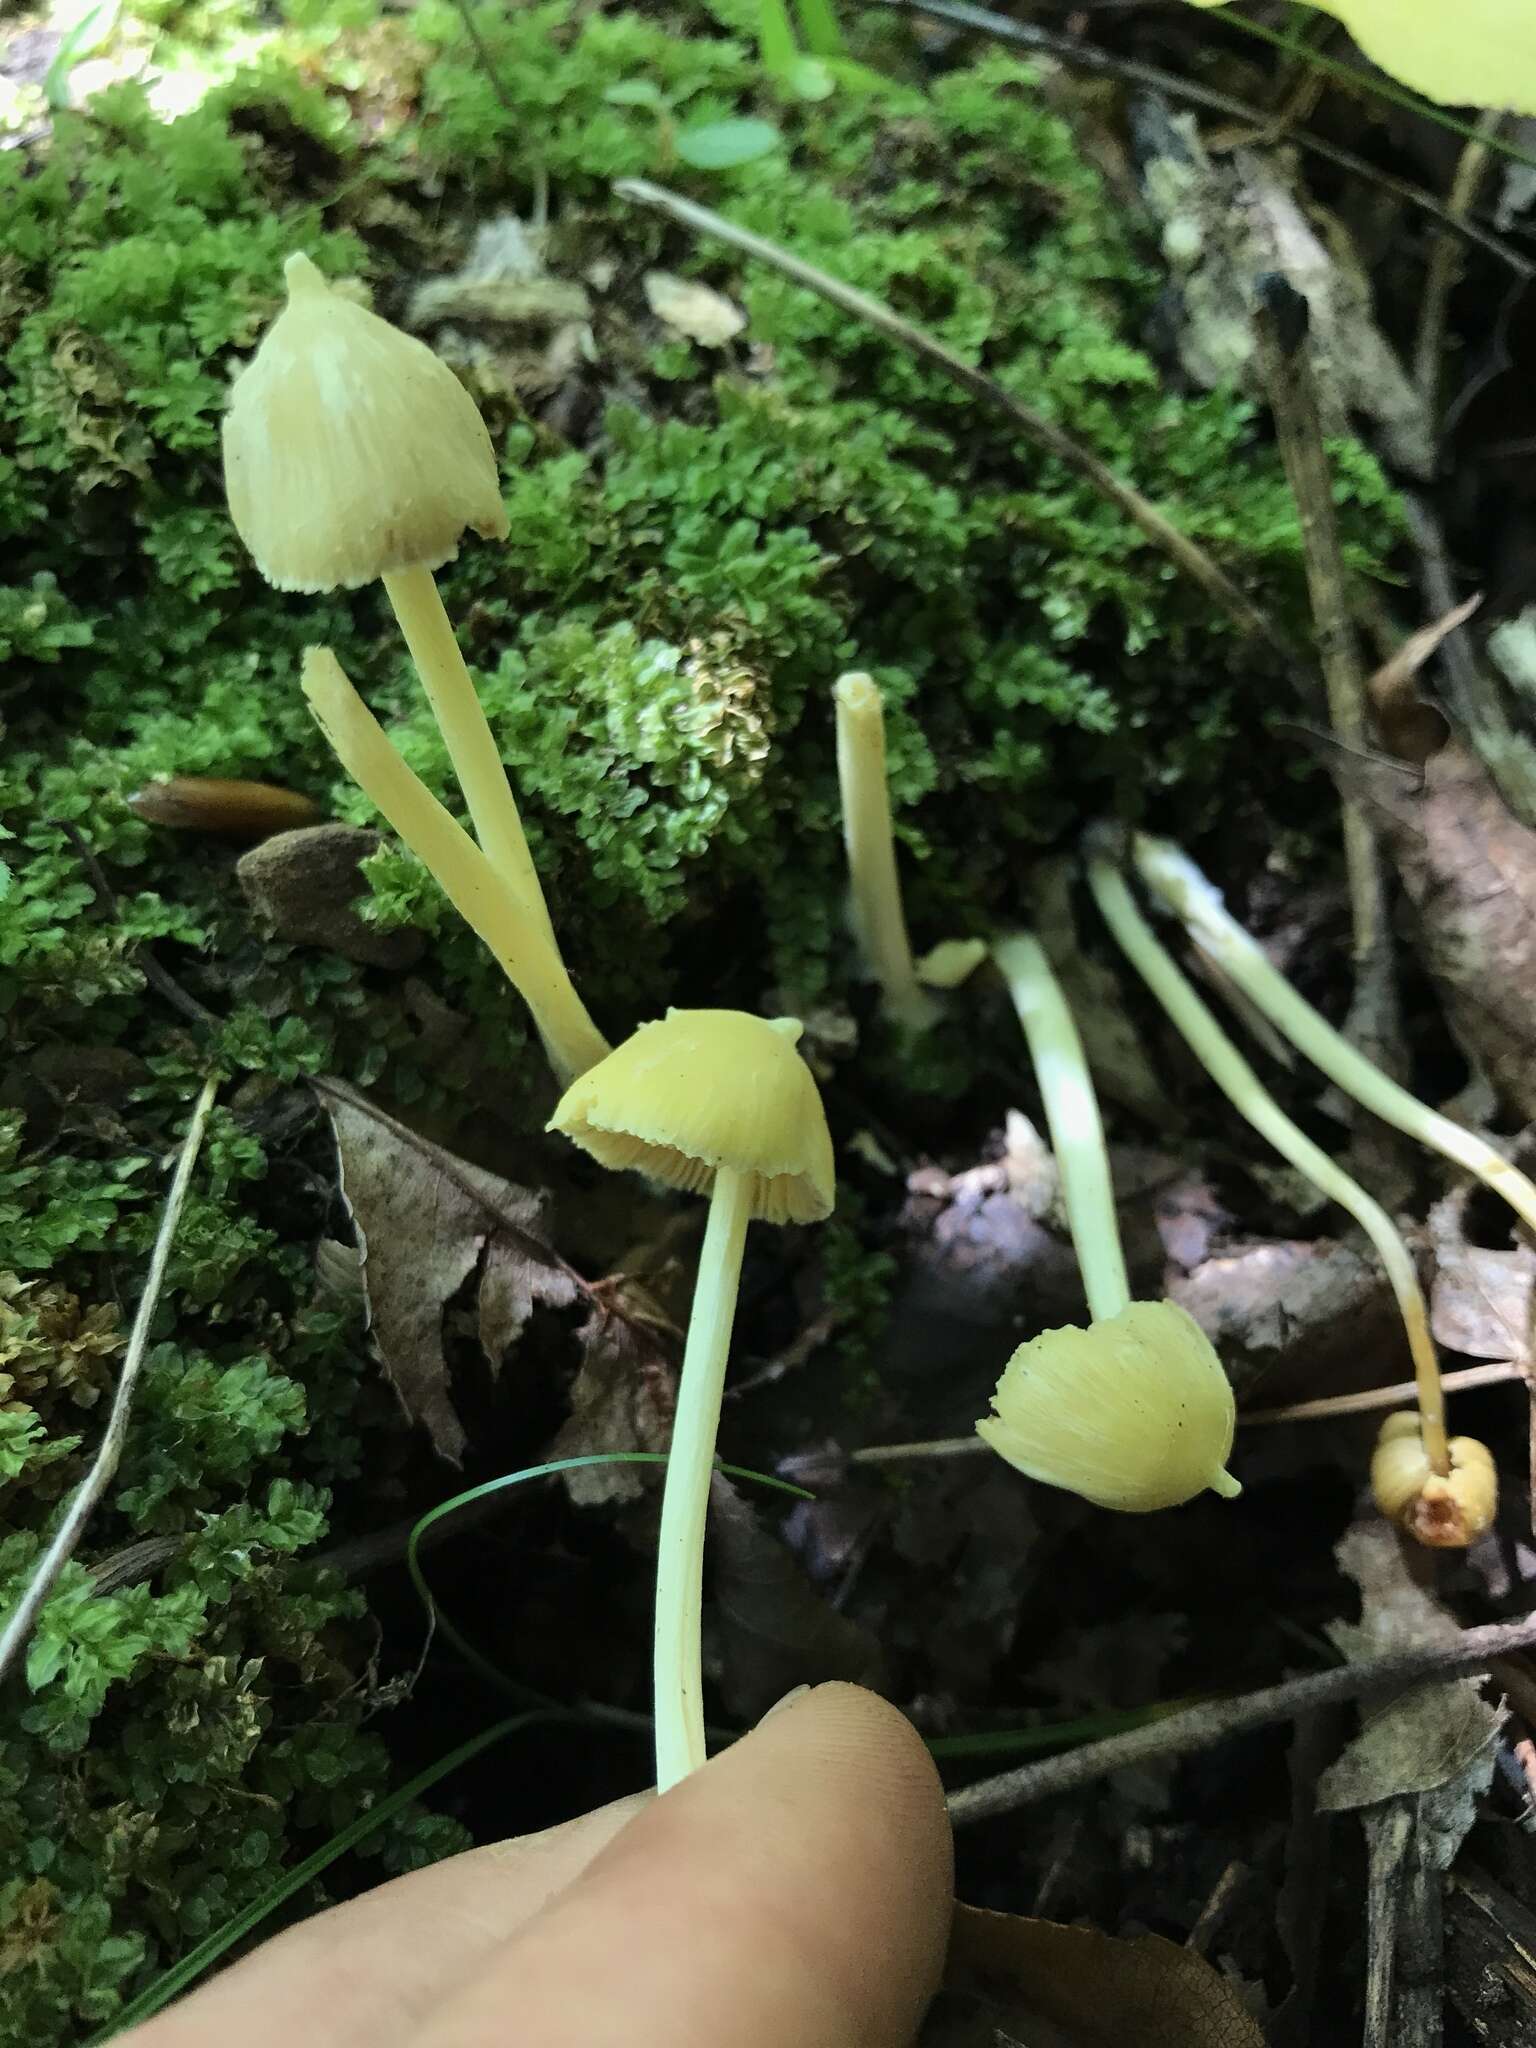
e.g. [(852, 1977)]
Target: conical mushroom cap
[(1133, 1413), (350, 450), (702, 1089)]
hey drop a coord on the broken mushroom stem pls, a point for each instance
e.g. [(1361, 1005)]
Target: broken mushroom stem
[(874, 899), (1134, 1413), (502, 919), (716, 1102), (1248, 1095), (1196, 903)]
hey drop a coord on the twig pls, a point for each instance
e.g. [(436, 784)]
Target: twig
[(1374, 1398), (1281, 328), (18, 1626), (159, 979), (1366, 1402), (1187, 555), (1215, 1721), (1080, 56), (1440, 272)]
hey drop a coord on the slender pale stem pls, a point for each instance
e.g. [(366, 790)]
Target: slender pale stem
[(685, 1498), (874, 886), (1247, 1094), (482, 897), (467, 734), (1072, 1112), (1173, 877)]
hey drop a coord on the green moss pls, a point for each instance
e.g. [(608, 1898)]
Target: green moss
[(685, 575)]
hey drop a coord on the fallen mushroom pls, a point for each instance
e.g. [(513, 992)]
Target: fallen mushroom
[(716, 1102), (1135, 1412), (1173, 877), (1444, 1510), (353, 455), (1248, 1095)]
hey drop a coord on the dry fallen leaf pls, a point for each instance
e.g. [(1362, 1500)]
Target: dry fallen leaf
[(425, 1222), (1437, 1738), (693, 309), (1482, 1297), (1032, 1981), (1410, 726), (622, 1399)]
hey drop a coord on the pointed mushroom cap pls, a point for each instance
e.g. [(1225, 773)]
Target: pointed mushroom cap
[(350, 450), (702, 1089), (1133, 1413)]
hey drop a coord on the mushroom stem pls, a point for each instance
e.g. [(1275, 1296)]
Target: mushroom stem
[(1072, 1112), (418, 606), (879, 922), (1173, 877), (1248, 1095), (685, 1498), (478, 892)]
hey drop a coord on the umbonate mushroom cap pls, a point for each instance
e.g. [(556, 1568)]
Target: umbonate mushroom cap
[(350, 450), (1133, 1413), (698, 1090)]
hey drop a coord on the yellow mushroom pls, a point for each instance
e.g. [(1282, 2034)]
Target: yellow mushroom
[(716, 1102), (1248, 1095), (1446, 1510), (351, 453), (1481, 53), (1135, 1412)]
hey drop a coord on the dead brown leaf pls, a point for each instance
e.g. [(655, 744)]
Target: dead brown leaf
[(1437, 1738), (1468, 868), (1411, 727), (1089, 1989), (622, 1399), (425, 1222), (1482, 1297)]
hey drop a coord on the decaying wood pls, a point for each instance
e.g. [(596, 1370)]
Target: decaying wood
[(1491, 1961)]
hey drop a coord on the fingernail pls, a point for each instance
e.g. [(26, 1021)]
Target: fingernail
[(796, 1693)]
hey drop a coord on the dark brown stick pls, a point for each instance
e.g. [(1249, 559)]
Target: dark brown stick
[(1214, 1721), (1185, 554)]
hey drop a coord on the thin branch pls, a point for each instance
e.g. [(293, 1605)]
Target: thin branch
[(158, 977), (1440, 273), (1373, 1399), (1185, 554), (1215, 1721), (1080, 56), (1282, 332), (1369, 1401), (18, 1627)]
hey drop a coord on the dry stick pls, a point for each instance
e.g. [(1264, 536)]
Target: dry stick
[(18, 1627), (1281, 328), (1214, 1721), (1186, 554), (1440, 273), (1369, 1401), (1080, 56)]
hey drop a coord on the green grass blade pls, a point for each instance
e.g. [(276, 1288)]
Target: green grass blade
[(819, 26), (170, 1983), (1381, 88), (438, 1622)]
